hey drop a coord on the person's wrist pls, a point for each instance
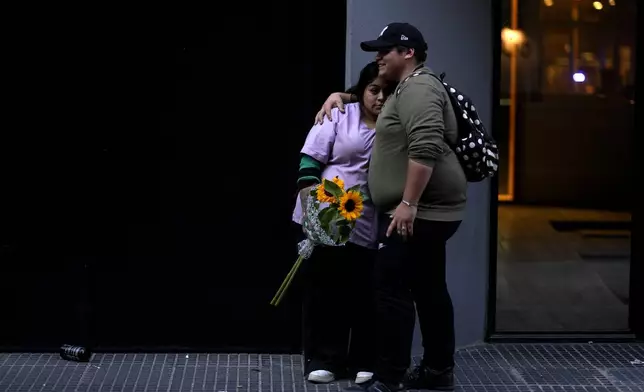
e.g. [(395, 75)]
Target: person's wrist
[(409, 204)]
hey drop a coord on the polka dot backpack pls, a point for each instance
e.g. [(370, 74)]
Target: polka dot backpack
[(475, 148)]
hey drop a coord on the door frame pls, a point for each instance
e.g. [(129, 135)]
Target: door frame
[(636, 304)]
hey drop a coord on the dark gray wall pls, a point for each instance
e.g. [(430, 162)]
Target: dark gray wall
[(459, 36)]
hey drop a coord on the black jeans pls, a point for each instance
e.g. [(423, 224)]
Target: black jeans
[(338, 309), (409, 271)]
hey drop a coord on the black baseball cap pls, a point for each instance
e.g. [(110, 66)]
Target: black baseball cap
[(396, 34)]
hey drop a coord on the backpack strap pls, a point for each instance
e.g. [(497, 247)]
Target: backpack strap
[(417, 73)]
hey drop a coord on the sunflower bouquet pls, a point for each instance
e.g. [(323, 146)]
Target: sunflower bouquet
[(331, 213)]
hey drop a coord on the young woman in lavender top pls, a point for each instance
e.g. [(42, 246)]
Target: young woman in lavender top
[(337, 301)]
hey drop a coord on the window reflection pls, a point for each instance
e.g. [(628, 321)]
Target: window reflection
[(565, 138), (562, 47)]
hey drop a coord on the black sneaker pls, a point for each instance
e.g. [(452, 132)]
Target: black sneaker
[(422, 377), (373, 386)]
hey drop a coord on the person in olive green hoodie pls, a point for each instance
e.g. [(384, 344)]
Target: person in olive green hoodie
[(419, 188)]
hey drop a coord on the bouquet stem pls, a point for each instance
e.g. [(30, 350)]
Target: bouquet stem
[(287, 282)]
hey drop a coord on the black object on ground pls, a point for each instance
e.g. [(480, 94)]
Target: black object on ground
[(75, 353)]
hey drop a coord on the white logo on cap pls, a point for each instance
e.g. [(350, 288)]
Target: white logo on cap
[(403, 37), (383, 31)]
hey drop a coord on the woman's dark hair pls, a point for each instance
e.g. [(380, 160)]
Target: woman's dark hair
[(368, 74)]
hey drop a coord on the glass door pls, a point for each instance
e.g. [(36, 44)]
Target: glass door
[(565, 200)]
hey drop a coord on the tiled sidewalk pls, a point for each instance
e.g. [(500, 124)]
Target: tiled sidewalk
[(485, 368)]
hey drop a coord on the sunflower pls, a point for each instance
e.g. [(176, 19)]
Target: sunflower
[(338, 182), (351, 206), (323, 195)]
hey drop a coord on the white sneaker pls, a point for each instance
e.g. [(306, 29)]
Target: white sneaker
[(363, 377), (321, 376)]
